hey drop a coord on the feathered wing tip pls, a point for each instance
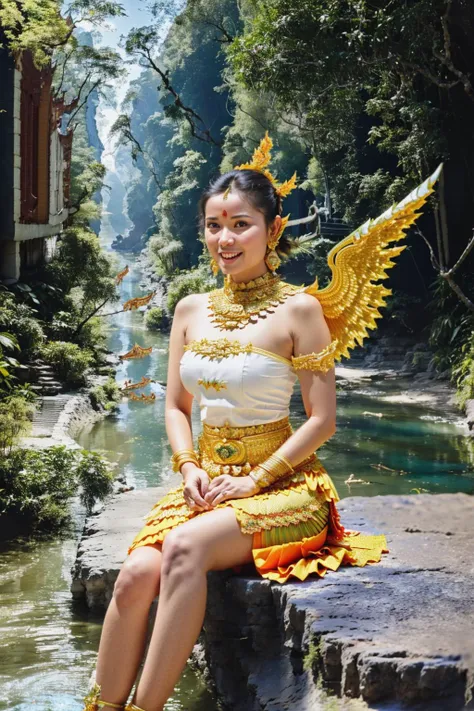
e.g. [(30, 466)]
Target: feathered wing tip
[(352, 299)]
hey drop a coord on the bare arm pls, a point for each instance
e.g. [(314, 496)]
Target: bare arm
[(178, 401), (178, 407), (311, 333)]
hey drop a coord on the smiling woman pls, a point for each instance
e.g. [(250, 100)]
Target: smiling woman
[(254, 491), (241, 217)]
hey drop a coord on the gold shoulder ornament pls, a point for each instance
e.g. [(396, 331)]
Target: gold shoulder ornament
[(352, 299)]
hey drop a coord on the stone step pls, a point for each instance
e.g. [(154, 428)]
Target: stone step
[(46, 417), (46, 389)]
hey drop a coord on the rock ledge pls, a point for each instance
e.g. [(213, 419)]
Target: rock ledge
[(393, 635)]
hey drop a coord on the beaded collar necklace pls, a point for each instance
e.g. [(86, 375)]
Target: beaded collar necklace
[(238, 303)]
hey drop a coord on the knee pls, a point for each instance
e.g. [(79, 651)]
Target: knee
[(180, 555), (138, 580)]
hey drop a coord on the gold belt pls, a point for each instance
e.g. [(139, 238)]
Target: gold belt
[(235, 450)]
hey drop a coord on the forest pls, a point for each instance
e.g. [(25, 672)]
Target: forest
[(363, 100)]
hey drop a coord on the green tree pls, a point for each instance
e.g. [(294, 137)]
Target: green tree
[(39, 26)]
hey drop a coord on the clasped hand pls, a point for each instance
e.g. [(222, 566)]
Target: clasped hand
[(203, 494)]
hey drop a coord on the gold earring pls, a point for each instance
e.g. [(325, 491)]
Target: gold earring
[(272, 260), (214, 267)]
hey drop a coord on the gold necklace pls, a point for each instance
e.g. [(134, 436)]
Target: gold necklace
[(238, 303)]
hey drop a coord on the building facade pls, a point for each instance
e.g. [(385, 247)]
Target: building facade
[(35, 154)]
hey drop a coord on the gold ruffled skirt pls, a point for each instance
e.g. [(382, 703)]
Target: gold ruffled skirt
[(295, 524)]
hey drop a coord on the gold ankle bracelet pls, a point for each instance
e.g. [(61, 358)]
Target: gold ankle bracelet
[(93, 703)]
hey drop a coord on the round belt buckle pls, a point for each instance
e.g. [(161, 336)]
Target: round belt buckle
[(229, 451)]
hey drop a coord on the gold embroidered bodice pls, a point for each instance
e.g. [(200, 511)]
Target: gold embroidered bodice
[(224, 347), (240, 383)]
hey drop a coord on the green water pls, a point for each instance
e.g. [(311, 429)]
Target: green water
[(48, 645)]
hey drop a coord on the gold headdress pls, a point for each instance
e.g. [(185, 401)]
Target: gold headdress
[(260, 160)]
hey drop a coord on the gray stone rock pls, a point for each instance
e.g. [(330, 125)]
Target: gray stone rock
[(105, 541), (470, 415), (398, 634)]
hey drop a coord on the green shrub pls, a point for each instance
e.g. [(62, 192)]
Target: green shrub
[(68, 360), (192, 282), (93, 336), (105, 396), (30, 335), (37, 485), (155, 318), (165, 252), (95, 477), (463, 373), (16, 414), (21, 321)]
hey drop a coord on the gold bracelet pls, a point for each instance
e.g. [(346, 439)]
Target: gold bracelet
[(275, 467), (183, 455)]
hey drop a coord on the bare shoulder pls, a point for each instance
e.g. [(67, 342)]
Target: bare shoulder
[(189, 305), (303, 306)]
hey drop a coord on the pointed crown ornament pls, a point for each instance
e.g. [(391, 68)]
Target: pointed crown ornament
[(260, 160)]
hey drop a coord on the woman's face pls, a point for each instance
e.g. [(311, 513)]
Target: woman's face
[(236, 236)]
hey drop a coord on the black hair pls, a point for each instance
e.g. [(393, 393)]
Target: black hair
[(258, 190)]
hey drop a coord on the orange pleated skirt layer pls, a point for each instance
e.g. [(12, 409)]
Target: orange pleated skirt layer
[(295, 526)]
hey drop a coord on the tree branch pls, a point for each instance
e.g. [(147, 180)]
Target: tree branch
[(94, 86), (188, 112)]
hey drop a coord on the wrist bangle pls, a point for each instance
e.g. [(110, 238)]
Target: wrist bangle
[(275, 467), (181, 456)]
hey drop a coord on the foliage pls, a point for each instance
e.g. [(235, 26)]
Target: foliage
[(83, 278), (94, 476), (22, 322), (7, 363), (16, 414), (165, 253), (463, 373), (452, 337), (105, 396), (331, 66), (69, 361), (180, 191), (155, 318), (37, 25), (36, 486), (195, 281), (165, 129), (312, 658)]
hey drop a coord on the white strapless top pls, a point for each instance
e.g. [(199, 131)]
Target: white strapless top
[(237, 384)]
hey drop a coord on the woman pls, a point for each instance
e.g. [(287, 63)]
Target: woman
[(254, 491)]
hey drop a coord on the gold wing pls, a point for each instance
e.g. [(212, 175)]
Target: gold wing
[(351, 300)]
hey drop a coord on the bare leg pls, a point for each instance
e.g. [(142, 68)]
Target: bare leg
[(123, 636), (211, 541)]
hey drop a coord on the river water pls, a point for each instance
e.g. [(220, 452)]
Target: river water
[(48, 645)]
